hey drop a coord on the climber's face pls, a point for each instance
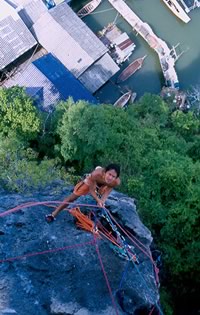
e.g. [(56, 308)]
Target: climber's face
[(110, 176)]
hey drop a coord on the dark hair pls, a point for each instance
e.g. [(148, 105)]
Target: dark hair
[(115, 167)]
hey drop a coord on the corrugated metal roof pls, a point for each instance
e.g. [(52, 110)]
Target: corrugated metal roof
[(99, 73), (15, 38), (61, 32), (56, 40), (28, 10), (78, 30), (50, 82)]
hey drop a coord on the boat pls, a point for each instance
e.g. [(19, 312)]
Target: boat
[(131, 69), (133, 97), (88, 8), (123, 100), (175, 7)]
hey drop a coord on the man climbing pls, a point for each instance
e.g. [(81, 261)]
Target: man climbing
[(98, 184)]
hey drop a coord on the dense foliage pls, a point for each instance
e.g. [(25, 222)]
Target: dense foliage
[(158, 149), (20, 125), (17, 113)]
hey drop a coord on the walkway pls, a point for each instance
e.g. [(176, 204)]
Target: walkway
[(167, 60)]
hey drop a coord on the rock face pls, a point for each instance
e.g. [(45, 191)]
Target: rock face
[(57, 268)]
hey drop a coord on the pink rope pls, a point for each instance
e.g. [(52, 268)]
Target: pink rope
[(152, 311), (33, 204), (105, 276), (55, 250), (94, 242)]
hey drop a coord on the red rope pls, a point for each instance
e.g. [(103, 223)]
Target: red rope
[(152, 311), (105, 276), (40, 203), (45, 252), (32, 204)]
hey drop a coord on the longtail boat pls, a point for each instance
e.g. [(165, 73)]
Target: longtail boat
[(131, 69), (123, 100), (88, 8)]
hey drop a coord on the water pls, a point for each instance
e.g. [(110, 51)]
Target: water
[(166, 26)]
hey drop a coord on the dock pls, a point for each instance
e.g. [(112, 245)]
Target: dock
[(167, 60), (187, 10), (196, 4), (119, 44)]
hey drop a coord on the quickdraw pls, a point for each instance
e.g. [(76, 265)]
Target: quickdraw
[(119, 244)]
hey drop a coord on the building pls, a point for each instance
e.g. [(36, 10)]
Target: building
[(15, 38), (119, 44), (28, 10), (48, 82), (61, 32)]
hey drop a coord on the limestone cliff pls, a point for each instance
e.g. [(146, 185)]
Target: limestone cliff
[(66, 277)]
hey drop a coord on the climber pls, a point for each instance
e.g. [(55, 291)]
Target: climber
[(98, 184)]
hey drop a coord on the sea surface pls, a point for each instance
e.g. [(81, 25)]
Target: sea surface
[(166, 26)]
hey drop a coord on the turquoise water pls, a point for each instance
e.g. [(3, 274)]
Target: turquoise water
[(167, 27)]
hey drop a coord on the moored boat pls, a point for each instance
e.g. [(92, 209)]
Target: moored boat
[(131, 69), (133, 97), (88, 8), (175, 7), (123, 100)]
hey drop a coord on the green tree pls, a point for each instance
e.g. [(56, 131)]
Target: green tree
[(17, 113), (187, 124), (151, 109)]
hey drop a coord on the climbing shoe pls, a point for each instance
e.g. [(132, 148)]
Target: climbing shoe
[(49, 218)]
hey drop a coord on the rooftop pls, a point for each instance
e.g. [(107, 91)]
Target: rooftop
[(48, 81), (28, 10), (62, 33), (15, 38)]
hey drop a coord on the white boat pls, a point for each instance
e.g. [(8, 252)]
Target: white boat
[(175, 7), (133, 97), (88, 8)]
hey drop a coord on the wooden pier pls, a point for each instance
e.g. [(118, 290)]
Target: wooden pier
[(167, 61)]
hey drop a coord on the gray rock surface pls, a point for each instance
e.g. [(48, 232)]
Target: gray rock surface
[(69, 279)]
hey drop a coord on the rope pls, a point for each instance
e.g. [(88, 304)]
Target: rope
[(102, 11), (32, 204), (105, 276), (152, 310), (135, 243), (40, 203), (114, 22), (123, 275), (140, 275), (45, 252), (104, 232)]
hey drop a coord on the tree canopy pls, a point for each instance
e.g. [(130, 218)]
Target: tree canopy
[(157, 147), (17, 113), (154, 147)]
